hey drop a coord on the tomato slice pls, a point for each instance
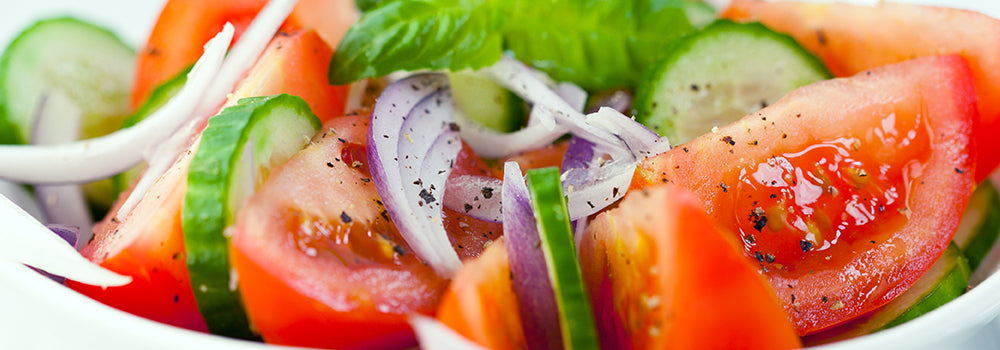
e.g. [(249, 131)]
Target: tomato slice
[(480, 303), (844, 192), (662, 276), (320, 263), (851, 39), (148, 245)]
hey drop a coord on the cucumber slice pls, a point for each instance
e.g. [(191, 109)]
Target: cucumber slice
[(88, 64), (157, 99), (576, 318), (719, 74), (946, 280), (977, 232), (487, 103), (238, 150)]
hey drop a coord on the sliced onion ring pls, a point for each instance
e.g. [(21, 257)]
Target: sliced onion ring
[(58, 121), (468, 194), (101, 157), (407, 119), (433, 335)]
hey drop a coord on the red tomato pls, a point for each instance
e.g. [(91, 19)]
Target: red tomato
[(184, 26), (851, 39), (296, 63), (480, 303), (319, 262), (662, 276), (844, 192), (148, 245)]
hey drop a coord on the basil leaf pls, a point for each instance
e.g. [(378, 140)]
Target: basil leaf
[(419, 34), (597, 44)]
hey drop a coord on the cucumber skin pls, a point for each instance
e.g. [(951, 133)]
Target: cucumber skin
[(10, 131), (579, 329), (205, 242), (646, 91), (949, 288)]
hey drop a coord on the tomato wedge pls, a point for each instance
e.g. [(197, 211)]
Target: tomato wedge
[(480, 303), (662, 276), (320, 263), (148, 245), (844, 192), (851, 39)]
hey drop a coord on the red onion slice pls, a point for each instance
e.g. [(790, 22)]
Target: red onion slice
[(531, 282), (70, 234), (100, 157), (408, 117), (27, 241), (476, 196), (58, 121), (489, 143), (433, 335)]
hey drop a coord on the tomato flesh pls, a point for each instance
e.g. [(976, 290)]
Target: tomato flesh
[(844, 192), (851, 39), (320, 263), (662, 276), (480, 303)]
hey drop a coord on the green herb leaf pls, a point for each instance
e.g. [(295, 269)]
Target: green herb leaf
[(598, 44), (418, 34)]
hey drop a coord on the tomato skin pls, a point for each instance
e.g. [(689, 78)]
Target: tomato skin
[(928, 176), (148, 245), (683, 284), (851, 39), (480, 303)]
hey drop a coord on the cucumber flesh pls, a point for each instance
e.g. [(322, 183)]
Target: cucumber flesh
[(719, 74), (88, 64), (946, 280), (487, 103), (576, 318), (238, 150), (977, 232)]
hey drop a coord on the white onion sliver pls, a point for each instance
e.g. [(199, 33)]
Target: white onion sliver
[(385, 142), (28, 242), (18, 194), (465, 194), (434, 335), (100, 157), (489, 143), (594, 196), (645, 141), (520, 79), (575, 96), (58, 121)]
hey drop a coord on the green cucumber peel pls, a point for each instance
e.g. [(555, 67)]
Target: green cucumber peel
[(221, 176), (719, 74), (954, 283), (576, 318), (85, 62), (595, 44)]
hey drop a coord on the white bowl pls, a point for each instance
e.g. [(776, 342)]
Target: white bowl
[(37, 313)]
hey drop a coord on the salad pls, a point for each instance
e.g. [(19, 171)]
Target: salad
[(473, 174)]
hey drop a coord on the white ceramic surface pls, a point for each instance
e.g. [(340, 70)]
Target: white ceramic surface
[(36, 313)]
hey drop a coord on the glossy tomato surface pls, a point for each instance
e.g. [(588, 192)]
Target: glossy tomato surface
[(662, 276), (844, 192), (854, 38)]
